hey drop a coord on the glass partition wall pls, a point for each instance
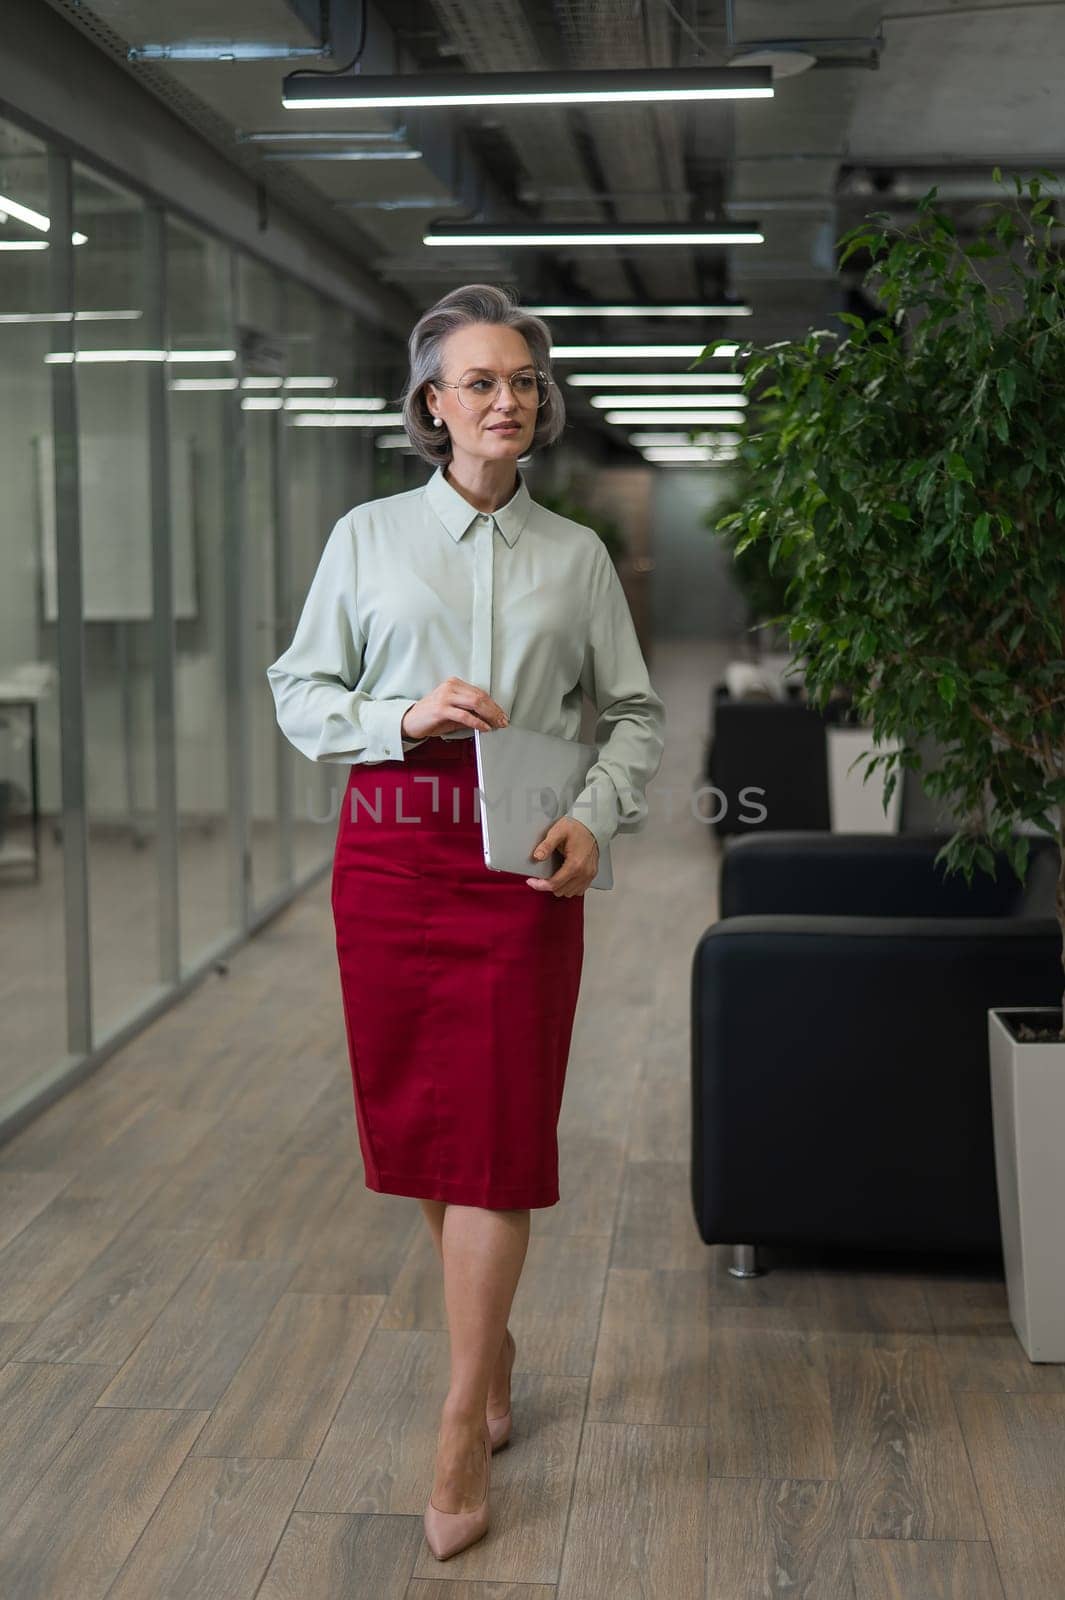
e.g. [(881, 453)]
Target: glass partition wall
[(200, 403), (328, 471), (33, 915), (119, 640), (174, 464), (261, 366)]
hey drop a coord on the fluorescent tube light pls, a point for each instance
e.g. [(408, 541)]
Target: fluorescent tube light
[(68, 316), (33, 219), (667, 402), (336, 403), (641, 439), (222, 50), (202, 385), (38, 244), (370, 91), (342, 155), (408, 202), (191, 355), (394, 441), (348, 419), (641, 311), (661, 417), (687, 452), (310, 383), (272, 382), (652, 380), (681, 452), (322, 136), (629, 352), (141, 355), (587, 233), (262, 402)]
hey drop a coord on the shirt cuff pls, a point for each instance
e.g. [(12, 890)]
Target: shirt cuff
[(381, 719), (596, 806)]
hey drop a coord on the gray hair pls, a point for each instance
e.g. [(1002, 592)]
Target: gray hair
[(473, 302)]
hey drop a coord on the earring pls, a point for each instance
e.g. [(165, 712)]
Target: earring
[(438, 422)]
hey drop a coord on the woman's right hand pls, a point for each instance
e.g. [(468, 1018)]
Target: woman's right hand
[(453, 704)]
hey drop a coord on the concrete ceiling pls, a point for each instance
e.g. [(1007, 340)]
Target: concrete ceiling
[(944, 91)]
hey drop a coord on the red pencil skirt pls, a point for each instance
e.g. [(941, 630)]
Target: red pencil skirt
[(459, 988)]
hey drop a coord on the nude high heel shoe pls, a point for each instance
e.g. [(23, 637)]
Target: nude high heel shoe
[(448, 1532), (499, 1427)]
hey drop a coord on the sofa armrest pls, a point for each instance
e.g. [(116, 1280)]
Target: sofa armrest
[(857, 874), (840, 1079)]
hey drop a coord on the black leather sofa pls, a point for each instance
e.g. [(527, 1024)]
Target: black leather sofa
[(839, 1060), (776, 748)]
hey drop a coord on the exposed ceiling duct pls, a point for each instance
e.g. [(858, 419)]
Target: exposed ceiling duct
[(892, 117)]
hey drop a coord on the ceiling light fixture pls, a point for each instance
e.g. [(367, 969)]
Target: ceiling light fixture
[(227, 50), (321, 136), (608, 86), (722, 310), (348, 419), (666, 402), (68, 316), (465, 234), (627, 418), (202, 385), (684, 452), (634, 352), (140, 355), (342, 155), (337, 403), (408, 202), (652, 380), (783, 60), (704, 437), (33, 219)]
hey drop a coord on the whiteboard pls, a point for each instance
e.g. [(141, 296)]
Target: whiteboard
[(116, 547)]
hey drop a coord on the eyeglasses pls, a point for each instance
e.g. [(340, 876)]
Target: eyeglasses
[(478, 390)]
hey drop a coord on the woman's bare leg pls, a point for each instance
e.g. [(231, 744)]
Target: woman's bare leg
[(434, 1216), (483, 1252), (499, 1388)]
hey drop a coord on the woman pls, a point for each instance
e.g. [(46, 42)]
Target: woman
[(455, 606)]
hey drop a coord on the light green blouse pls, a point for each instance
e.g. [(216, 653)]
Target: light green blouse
[(524, 603)]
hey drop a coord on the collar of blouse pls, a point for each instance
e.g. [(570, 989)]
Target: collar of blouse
[(456, 513)]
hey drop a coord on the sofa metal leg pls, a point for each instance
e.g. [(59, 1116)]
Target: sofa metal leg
[(745, 1261)]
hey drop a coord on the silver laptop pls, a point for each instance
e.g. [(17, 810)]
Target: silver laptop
[(526, 780)]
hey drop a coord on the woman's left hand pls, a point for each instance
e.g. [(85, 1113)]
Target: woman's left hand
[(580, 851)]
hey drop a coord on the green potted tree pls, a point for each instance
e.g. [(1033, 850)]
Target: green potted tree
[(767, 669), (760, 575), (911, 469)]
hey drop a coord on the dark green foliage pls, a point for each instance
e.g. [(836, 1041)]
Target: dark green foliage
[(762, 577), (910, 474)]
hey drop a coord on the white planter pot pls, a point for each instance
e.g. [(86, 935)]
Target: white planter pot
[(856, 799), (1028, 1107)]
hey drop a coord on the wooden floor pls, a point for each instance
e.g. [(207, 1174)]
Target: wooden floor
[(222, 1357)]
